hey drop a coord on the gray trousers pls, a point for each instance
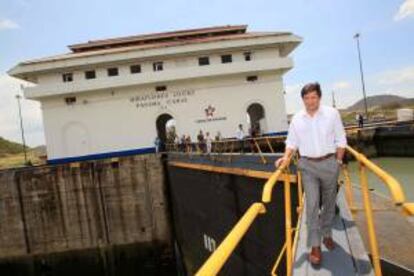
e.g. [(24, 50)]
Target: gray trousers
[(319, 177)]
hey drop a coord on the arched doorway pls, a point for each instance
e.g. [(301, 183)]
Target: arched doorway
[(165, 125), (256, 116)]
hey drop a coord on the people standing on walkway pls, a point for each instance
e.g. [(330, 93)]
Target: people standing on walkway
[(209, 141), (318, 134), (218, 136), (240, 137), (183, 143), (157, 144), (217, 145), (188, 143), (360, 120), (200, 140), (176, 143)]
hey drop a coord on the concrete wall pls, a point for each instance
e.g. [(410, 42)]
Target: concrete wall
[(83, 205)]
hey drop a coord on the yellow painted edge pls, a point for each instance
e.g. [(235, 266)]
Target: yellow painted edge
[(236, 171)]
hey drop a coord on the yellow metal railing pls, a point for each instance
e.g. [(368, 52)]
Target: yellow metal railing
[(392, 184), (216, 261), (289, 246), (395, 189)]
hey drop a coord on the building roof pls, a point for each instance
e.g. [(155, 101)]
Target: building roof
[(155, 38), (149, 42), (158, 40)]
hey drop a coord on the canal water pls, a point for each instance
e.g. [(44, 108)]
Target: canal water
[(401, 169)]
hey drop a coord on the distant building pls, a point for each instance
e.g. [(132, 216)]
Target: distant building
[(112, 97)]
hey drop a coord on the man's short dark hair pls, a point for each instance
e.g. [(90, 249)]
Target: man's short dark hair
[(311, 87)]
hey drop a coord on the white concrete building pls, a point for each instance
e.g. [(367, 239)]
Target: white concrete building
[(106, 97)]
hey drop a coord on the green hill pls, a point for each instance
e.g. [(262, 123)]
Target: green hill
[(8, 147), (382, 101)]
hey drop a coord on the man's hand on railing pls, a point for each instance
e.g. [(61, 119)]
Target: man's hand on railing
[(280, 161), (285, 158)]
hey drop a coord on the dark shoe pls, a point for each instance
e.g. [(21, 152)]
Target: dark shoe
[(315, 256), (329, 243)]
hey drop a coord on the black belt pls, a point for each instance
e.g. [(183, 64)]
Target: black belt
[(321, 158)]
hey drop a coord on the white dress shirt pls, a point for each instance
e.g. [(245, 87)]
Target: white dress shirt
[(317, 135), (240, 134)]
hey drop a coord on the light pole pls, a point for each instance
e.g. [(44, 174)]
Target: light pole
[(356, 36), (18, 97)]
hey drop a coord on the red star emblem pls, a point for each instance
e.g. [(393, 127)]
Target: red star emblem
[(209, 111)]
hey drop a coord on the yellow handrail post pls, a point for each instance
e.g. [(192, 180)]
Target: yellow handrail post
[(392, 184), (270, 145), (288, 225), (408, 208), (190, 150), (220, 149), (349, 193), (297, 229), (270, 183), (299, 181), (279, 258), (224, 149), (260, 151), (213, 150), (231, 150), (216, 261), (370, 220)]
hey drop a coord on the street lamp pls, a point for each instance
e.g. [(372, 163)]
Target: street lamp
[(18, 97), (356, 36)]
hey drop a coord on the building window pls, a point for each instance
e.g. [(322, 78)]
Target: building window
[(70, 100), (113, 72), (251, 78), (247, 56), (67, 77), (158, 66), (135, 69), (203, 61), (160, 88), (226, 59), (90, 74)]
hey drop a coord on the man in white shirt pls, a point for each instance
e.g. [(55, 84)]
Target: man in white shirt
[(240, 136), (240, 132), (209, 142), (318, 134)]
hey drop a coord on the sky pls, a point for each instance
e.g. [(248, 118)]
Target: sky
[(32, 29)]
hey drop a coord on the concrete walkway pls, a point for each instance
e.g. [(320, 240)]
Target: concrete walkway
[(349, 256)]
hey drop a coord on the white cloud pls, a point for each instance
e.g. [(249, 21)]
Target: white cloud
[(9, 117), (398, 81), (398, 76), (406, 10), (341, 85), (6, 24)]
